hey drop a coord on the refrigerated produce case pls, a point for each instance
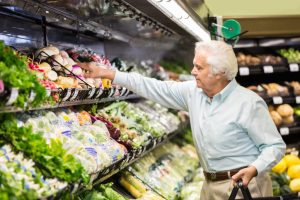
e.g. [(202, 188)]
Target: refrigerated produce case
[(100, 32)]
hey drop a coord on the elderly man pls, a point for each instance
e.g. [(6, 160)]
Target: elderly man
[(232, 130)]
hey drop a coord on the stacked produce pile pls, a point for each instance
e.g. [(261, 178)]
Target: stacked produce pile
[(249, 60), (164, 170), (270, 90), (20, 179), (49, 155), (295, 85), (72, 145), (18, 86), (192, 190), (102, 192), (135, 126), (286, 175), (282, 115), (291, 54), (90, 143)]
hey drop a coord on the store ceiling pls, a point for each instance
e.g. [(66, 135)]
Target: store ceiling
[(267, 18)]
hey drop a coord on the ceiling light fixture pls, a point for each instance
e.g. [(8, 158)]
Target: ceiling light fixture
[(174, 11)]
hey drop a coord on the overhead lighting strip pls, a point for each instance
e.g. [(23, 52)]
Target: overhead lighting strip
[(175, 12)]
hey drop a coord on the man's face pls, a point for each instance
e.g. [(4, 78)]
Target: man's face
[(201, 71)]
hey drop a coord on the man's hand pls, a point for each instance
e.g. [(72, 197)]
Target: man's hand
[(245, 174), (94, 71)]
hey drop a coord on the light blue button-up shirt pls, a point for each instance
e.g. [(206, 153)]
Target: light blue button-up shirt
[(232, 130)]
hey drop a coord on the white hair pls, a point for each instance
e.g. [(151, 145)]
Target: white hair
[(219, 56)]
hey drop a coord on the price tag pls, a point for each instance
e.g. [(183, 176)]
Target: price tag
[(294, 67), (13, 96), (91, 92), (268, 69), (48, 92), (244, 71), (69, 92), (74, 95), (284, 131), (124, 90), (277, 100), (100, 91), (111, 92), (297, 99), (31, 96)]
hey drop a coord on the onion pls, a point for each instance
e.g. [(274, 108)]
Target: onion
[(50, 51), (45, 66), (76, 69), (69, 67), (70, 61), (64, 54), (52, 75), (59, 61)]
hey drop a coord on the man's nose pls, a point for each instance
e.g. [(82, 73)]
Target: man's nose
[(194, 71)]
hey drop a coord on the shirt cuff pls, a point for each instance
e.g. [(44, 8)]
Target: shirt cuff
[(259, 165), (120, 78)]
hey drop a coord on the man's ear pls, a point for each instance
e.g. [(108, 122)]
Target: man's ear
[(220, 75)]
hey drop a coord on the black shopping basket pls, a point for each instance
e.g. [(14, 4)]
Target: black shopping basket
[(247, 195)]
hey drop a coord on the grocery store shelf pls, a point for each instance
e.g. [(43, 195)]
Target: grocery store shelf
[(71, 103), (278, 100), (289, 130), (268, 69)]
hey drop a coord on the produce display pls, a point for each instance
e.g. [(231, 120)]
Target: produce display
[(135, 126), (249, 60), (54, 160), (164, 170), (192, 190), (283, 114), (286, 175), (274, 89), (19, 85), (88, 56), (295, 85), (61, 68), (90, 143), (102, 192), (21, 180), (270, 90), (291, 54)]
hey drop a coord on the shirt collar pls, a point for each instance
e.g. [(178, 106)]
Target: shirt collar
[(224, 92), (228, 89)]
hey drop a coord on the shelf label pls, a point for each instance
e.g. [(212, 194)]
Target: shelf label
[(13, 96), (284, 131), (74, 95), (244, 71), (91, 92), (268, 69), (297, 99), (277, 100), (31, 96), (69, 91), (48, 92), (294, 67), (100, 91)]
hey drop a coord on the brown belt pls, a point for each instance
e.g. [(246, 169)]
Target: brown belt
[(220, 176)]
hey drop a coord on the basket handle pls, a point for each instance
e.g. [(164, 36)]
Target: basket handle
[(245, 191)]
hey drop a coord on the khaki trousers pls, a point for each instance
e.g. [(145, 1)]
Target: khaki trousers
[(259, 186)]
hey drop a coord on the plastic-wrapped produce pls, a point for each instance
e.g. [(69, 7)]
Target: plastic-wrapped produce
[(19, 178), (165, 170)]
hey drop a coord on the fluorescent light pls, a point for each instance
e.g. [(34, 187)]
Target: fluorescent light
[(174, 11)]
